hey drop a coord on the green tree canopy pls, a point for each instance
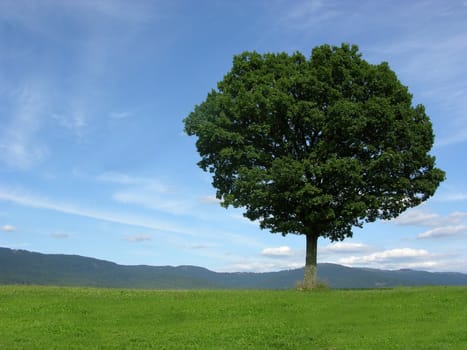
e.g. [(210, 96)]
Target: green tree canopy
[(315, 146)]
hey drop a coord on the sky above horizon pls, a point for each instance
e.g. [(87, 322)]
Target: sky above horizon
[(94, 160)]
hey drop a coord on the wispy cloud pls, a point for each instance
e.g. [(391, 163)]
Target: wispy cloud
[(386, 256), (120, 115), (32, 14), (425, 44), (66, 208), (250, 265), (407, 258), (138, 238), (440, 84), (72, 67), (452, 197), (344, 247), (277, 251), (119, 10), (305, 13), (445, 231), (418, 217), (60, 235), (458, 136), (244, 240), (448, 226), (152, 200), (148, 193), (210, 200), (8, 228), (20, 144), (143, 182), (75, 120)]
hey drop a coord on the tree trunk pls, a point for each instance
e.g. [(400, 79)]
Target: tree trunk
[(310, 280)]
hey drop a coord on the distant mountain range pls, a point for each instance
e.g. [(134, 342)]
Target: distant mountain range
[(24, 267)]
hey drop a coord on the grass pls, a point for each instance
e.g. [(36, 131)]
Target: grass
[(87, 318)]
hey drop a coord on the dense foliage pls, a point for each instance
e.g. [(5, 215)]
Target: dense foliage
[(315, 146)]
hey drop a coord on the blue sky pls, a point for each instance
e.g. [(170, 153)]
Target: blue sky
[(94, 161)]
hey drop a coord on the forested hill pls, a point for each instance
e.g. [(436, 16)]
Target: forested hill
[(24, 267)]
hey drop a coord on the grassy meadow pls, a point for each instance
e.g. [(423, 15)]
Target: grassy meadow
[(92, 318)]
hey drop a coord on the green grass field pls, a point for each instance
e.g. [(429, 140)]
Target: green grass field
[(86, 318)]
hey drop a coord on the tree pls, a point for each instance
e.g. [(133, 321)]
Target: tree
[(315, 146)]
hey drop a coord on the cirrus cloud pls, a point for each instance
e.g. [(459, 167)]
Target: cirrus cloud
[(32, 201), (20, 143)]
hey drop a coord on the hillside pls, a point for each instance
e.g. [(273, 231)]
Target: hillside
[(24, 267)]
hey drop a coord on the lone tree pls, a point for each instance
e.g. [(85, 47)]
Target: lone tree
[(315, 146)]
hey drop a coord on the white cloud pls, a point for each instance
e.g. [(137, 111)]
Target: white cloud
[(386, 255), (458, 215), (417, 217), (408, 258), (260, 266), (441, 232), (277, 252), (344, 247), (138, 238), (210, 200), (423, 265), (8, 228), (451, 225)]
